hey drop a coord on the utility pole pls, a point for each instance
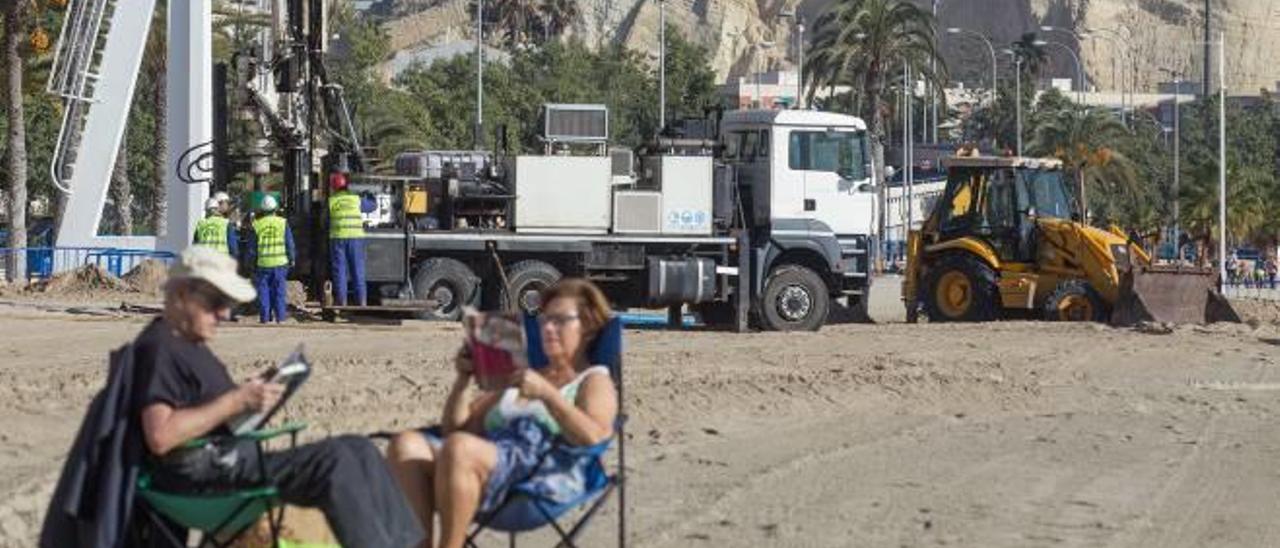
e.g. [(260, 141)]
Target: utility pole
[(1222, 159), (933, 99), (1208, 53), (662, 65), (478, 137), (800, 62), (1177, 161)]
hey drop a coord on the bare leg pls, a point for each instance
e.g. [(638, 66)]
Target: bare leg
[(412, 462), (464, 466)]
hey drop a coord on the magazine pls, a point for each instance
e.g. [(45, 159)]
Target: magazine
[(497, 345), (291, 372)]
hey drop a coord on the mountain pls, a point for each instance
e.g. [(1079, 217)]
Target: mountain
[(1161, 33)]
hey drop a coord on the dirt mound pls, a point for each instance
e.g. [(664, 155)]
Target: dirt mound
[(148, 277), (88, 279), (1257, 311)]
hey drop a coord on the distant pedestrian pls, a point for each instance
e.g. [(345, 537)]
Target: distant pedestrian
[(1271, 268), (272, 254)]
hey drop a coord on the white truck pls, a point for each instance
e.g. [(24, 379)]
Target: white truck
[(766, 219)]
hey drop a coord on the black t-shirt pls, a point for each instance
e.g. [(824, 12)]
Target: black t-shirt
[(176, 371)]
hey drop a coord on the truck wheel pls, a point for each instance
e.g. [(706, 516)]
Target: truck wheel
[(795, 299), (1075, 301), (448, 282), (961, 288), (526, 280)]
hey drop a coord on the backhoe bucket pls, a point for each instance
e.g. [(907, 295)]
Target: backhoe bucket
[(1171, 295)]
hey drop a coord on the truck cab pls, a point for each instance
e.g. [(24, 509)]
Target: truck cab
[(808, 194)]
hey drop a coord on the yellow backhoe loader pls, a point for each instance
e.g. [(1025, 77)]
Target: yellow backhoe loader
[(1004, 241)]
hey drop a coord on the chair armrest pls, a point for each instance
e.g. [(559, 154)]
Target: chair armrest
[(256, 435)]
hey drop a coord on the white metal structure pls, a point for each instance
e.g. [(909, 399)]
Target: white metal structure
[(95, 70)]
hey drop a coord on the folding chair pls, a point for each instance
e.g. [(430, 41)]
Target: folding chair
[(525, 509), (228, 513)]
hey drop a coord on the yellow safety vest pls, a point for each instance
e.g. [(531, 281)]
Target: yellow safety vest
[(271, 248), (211, 232), (344, 216)]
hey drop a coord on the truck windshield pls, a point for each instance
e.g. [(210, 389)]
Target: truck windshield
[(841, 152), (1046, 193)]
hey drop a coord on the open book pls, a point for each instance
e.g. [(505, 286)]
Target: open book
[(497, 344), (291, 372)]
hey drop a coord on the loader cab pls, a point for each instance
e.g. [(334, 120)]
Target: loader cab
[(802, 170), (1000, 201)]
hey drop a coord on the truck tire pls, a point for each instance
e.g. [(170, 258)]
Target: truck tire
[(450, 283), (526, 280), (795, 298), (1075, 301), (961, 288)]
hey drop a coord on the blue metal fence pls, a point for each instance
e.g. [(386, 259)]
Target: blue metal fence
[(43, 262)]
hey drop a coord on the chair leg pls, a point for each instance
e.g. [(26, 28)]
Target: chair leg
[(163, 527), (591, 512), (511, 540)]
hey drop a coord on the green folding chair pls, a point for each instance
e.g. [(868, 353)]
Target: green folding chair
[(225, 515)]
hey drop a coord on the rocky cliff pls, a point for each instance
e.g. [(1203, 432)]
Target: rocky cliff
[(1161, 34)]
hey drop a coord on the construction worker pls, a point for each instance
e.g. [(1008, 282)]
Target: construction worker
[(215, 231), (271, 253), (346, 239)]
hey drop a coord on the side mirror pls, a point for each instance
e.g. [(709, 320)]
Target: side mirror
[(866, 187)]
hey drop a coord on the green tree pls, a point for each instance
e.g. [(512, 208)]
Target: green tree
[(1084, 139), (863, 43)]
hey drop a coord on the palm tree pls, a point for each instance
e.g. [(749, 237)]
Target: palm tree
[(1248, 191), (15, 13), (557, 16), (155, 62), (1034, 57), (863, 44), (1084, 139)]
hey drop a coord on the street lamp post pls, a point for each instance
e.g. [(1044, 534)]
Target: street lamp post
[(1177, 159), (1076, 37), (1126, 86), (478, 135), (1079, 66), (759, 101), (799, 43), (1017, 100), (662, 65), (990, 47)]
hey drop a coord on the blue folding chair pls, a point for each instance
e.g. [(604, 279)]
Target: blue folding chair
[(525, 508)]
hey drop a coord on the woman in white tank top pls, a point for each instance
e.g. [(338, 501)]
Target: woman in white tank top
[(569, 398)]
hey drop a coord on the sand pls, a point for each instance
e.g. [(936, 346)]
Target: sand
[(1008, 434), (148, 277)]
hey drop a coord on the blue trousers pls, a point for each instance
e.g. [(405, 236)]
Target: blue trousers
[(346, 256), (272, 293)]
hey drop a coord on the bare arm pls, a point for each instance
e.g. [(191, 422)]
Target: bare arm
[(589, 420), (458, 413), (165, 428)]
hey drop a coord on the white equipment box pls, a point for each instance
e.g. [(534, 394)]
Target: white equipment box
[(686, 193), (637, 212), (562, 194)]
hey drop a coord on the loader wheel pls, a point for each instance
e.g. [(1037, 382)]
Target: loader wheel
[(1075, 301), (961, 288), (795, 298), (451, 284), (526, 281)]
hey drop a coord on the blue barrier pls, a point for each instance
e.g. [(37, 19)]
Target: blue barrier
[(43, 262)]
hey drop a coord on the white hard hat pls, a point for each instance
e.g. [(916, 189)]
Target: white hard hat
[(221, 196), (212, 203), (269, 203)]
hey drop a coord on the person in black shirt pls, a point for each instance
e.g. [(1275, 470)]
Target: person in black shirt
[(182, 391)]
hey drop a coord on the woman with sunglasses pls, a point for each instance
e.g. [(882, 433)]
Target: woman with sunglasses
[(471, 469)]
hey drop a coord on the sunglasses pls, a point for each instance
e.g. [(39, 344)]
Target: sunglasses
[(212, 299)]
